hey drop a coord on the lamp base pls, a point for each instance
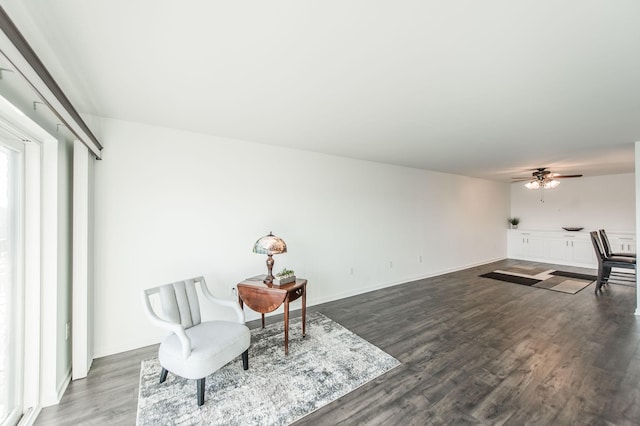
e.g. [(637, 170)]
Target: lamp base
[(269, 278)]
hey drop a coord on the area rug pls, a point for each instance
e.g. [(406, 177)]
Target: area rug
[(549, 279), (328, 363)]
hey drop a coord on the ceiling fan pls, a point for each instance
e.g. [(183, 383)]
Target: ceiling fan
[(541, 178)]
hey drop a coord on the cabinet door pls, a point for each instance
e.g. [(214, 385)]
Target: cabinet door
[(557, 249), (624, 245), (517, 247), (535, 247), (523, 245), (583, 252)]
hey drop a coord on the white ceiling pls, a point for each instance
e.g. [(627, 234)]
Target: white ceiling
[(479, 88)]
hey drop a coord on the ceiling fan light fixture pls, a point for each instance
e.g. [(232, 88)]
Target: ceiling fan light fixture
[(550, 184), (543, 179), (542, 184)]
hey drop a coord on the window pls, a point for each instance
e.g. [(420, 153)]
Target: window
[(11, 283)]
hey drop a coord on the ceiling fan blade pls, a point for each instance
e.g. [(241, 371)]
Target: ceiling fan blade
[(566, 176), (542, 174)]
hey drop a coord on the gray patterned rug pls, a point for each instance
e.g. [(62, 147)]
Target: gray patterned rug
[(328, 363)]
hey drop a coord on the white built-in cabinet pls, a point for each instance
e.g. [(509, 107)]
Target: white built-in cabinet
[(526, 245), (562, 247), (622, 243)]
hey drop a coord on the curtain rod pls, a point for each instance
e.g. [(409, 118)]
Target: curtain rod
[(17, 50)]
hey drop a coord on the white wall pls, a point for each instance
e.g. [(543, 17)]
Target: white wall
[(598, 202), (172, 204)]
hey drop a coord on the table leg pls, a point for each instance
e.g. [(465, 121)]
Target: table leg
[(304, 310), (262, 320), (286, 326)]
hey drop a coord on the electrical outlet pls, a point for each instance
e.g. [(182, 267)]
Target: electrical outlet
[(350, 271), (390, 264), (68, 330), (420, 259)]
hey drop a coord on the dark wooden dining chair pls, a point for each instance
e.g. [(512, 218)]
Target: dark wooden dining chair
[(606, 263), (607, 247)]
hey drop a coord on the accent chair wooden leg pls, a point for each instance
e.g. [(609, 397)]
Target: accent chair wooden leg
[(200, 386), (245, 359), (163, 375)]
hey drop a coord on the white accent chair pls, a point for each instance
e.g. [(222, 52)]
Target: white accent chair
[(195, 349)]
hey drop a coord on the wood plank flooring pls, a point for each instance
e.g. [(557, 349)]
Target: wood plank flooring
[(473, 351)]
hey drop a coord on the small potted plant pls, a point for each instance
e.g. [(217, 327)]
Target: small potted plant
[(285, 276), (514, 221)]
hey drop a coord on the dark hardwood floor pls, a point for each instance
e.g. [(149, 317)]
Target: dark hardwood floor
[(473, 351)]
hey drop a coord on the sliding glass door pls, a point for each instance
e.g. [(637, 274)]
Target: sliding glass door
[(11, 289)]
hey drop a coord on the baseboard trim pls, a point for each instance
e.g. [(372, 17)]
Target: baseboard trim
[(555, 262), (296, 306), (251, 316), (53, 398), (29, 418), (380, 286), (63, 387)]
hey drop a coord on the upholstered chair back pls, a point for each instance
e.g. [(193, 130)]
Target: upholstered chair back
[(179, 303)]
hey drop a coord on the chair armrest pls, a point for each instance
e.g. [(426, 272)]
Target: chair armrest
[(223, 302), (175, 328)]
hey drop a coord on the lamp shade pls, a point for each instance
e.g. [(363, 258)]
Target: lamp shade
[(270, 244)]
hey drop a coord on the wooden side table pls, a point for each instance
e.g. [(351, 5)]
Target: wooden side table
[(265, 298)]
